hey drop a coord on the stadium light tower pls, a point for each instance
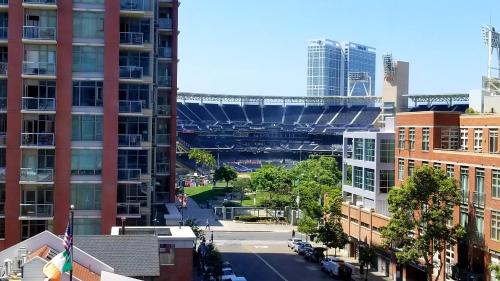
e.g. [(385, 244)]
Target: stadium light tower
[(492, 40), (389, 67)]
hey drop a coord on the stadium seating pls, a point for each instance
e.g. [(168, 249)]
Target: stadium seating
[(346, 115), (367, 117), (311, 114), (217, 112), (292, 113), (329, 114), (273, 114), (254, 113), (234, 112), (200, 112)]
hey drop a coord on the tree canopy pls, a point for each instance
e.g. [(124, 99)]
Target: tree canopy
[(225, 173), (274, 180), (202, 157)]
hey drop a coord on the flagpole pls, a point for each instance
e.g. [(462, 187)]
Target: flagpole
[(72, 208)]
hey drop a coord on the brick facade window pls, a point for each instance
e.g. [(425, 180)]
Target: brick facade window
[(493, 145), (425, 139), (495, 225), (411, 138), (450, 170), (411, 167), (401, 138), (449, 138), (464, 139), (478, 140), (495, 183), (401, 169)]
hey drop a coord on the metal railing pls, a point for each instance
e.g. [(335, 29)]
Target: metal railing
[(163, 110), (51, 2), (131, 72), (478, 199), (37, 175), (134, 5), (37, 139), (131, 106), (4, 31), (129, 140), (3, 68), (128, 209), (39, 32), (3, 103), (165, 80), (41, 104), (3, 138), (37, 210), (129, 174), (165, 23), (132, 38), (163, 138), (165, 52), (163, 168), (39, 68)]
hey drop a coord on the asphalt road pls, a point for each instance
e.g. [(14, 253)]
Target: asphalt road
[(264, 256)]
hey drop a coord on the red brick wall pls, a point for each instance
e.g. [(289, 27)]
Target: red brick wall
[(182, 270)]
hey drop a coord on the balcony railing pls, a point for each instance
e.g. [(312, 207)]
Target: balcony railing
[(39, 33), (161, 197), (132, 38), (165, 52), (37, 175), (39, 104), (478, 199), (163, 138), (39, 68), (4, 2), (165, 23), (49, 2), (3, 31), (464, 194), (163, 168), (37, 210), (3, 68), (129, 140), (3, 103), (163, 110), (37, 139), (131, 72), (131, 106), (165, 81), (3, 139), (129, 174), (131, 209), (134, 5)]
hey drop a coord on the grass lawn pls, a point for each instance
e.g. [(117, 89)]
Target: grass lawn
[(248, 201), (201, 194)]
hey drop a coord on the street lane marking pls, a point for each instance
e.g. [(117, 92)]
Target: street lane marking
[(270, 266)]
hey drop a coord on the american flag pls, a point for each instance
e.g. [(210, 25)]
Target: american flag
[(68, 238)]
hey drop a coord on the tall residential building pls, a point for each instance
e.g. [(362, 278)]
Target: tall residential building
[(87, 98), (340, 69)]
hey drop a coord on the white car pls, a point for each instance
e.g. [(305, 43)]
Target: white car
[(301, 245), (293, 241), (227, 274), (332, 266)]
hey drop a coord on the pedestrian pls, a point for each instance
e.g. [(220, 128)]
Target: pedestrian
[(293, 233), (207, 226)]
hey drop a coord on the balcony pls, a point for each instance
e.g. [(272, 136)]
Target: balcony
[(132, 38), (37, 139), (163, 168), (39, 68), (37, 210), (35, 175), (131, 106), (161, 197), (165, 23), (39, 33), (129, 140), (39, 104), (3, 32), (165, 52), (163, 110), (128, 209), (478, 199), (43, 2), (3, 104), (164, 81), (163, 139), (3, 140), (134, 5), (3, 68), (129, 175), (131, 72)]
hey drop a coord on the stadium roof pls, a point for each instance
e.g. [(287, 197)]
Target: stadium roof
[(448, 98), (341, 100)]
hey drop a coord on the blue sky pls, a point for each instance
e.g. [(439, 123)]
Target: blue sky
[(259, 47)]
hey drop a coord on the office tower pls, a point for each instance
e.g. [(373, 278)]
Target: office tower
[(87, 96), (340, 69)]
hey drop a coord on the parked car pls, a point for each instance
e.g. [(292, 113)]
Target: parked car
[(227, 274), (333, 266), (315, 254), (293, 241), (301, 244), (302, 250)]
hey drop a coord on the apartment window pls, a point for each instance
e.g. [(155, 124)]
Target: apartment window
[(386, 181), (449, 138), (86, 196), (135, 59), (425, 139), (358, 177), (347, 171), (464, 139), (464, 181), (493, 146), (87, 93), (88, 59), (495, 225), (88, 25), (495, 183), (450, 170), (167, 254), (369, 179), (401, 138), (479, 223), (369, 150), (133, 159), (478, 140), (86, 162), (425, 163), (401, 169), (437, 165), (87, 127), (411, 138), (479, 181), (464, 216), (358, 149), (85, 226), (387, 151), (411, 167), (88, 2), (134, 92), (134, 126), (2, 228), (142, 26)]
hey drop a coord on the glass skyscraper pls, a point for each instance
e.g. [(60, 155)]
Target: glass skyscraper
[(340, 69)]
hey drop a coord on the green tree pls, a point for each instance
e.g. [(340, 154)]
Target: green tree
[(321, 169), (225, 173), (308, 226), (421, 210), (205, 158), (242, 185), (366, 256), (272, 179), (495, 268), (193, 223), (332, 235)]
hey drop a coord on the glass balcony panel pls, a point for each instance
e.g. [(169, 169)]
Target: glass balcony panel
[(163, 138), (165, 52), (163, 110), (3, 68), (39, 68), (129, 140), (161, 197), (132, 38), (40, 1), (36, 210), (37, 139), (3, 29), (39, 104), (131, 72), (124, 209), (165, 23), (39, 33), (129, 174), (37, 175), (3, 103), (165, 80), (134, 5), (132, 106), (162, 168), (4, 2)]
